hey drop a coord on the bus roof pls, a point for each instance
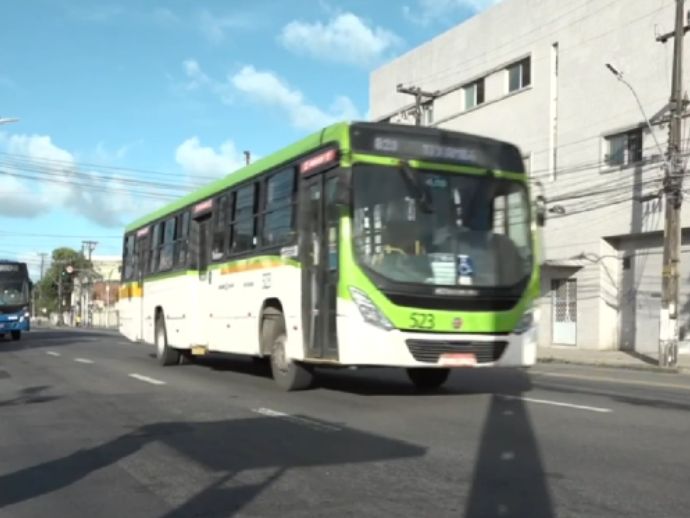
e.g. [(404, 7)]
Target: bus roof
[(446, 146), (334, 133)]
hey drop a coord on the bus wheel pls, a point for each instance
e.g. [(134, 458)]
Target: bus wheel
[(166, 355), (16, 335), (428, 379), (288, 374)]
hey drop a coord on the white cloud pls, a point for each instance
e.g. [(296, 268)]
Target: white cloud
[(427, 11), (215, 27), (267, 88), (203, 161), (346, 38), (39, 177), (195, 75)]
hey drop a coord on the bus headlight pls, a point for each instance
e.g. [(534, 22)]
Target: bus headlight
[(370, 313), (526, 321)]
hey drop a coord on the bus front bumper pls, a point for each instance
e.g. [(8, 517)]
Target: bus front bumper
[(8, 324), (360, 343)]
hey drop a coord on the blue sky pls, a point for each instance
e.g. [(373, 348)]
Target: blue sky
[(125, 104)]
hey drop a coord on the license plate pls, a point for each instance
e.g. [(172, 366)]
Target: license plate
[(458, 359)]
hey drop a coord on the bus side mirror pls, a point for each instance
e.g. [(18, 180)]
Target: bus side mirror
[(540, 210)]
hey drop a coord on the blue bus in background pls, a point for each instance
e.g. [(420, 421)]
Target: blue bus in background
[(15, 299)]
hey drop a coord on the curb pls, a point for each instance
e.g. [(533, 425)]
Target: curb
[(627, 366)]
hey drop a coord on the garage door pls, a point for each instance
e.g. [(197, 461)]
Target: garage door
[(640, 295)]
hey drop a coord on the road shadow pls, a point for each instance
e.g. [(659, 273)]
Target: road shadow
[(394, 382), (509, 479), (225, 449), (28, 396)]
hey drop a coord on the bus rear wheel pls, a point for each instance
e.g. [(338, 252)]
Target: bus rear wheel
[(165, 354), (428, 379), (16, 335), (288, 374)]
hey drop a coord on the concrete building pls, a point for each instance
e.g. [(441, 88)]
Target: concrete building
[(95, 293), (533, 72)]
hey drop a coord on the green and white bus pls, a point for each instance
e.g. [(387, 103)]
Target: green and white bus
[(365, 244)]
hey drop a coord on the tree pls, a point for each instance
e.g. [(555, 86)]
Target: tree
[(62, 260)]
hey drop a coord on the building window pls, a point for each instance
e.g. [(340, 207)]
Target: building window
[(519, 75), (474, 94), (624, 148)]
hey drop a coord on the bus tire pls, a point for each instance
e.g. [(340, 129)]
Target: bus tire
[(427, 379), (16, 335), (165, 354), (288, 374)]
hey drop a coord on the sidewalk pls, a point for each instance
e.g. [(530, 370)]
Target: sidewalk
[(621, 359)]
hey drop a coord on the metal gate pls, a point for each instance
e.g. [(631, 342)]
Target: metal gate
[(564, 304)]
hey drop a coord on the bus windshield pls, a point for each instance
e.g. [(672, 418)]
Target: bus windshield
[(13, 292), (462, 229)]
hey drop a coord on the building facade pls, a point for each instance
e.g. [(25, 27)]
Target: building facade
[(533, 72), (95, 294)]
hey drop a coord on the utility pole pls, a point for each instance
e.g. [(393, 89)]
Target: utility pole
[(673, 182), (90, 246), (43, 261), (419, 96)]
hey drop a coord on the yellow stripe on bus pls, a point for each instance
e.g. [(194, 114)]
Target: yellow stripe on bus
[(131, 290), (252, 265)]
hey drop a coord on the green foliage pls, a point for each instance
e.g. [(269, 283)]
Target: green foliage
[(48, 288)]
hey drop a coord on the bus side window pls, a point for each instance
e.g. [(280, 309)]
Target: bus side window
[(128, 257), (182, 240), (166, 254), (156, 242), (278, 219), (245, 215), (219, 222)]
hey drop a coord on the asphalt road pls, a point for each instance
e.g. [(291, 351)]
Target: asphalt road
[(90, 425)]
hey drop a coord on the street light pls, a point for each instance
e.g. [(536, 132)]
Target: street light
[(619, 76)]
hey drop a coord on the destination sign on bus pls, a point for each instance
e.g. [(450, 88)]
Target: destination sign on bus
[(9, 268), (436, 146)]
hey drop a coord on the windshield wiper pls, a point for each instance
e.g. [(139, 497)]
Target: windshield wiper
[(416, 186)]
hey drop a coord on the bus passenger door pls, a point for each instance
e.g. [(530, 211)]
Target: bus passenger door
[(319, 253), (142, 244), (203, 292)]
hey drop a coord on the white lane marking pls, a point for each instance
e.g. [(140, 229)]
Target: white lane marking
[(558, 403), (508, 455), (140, 377), (612, 380), (52, 353), (83, 360), (309, 423)]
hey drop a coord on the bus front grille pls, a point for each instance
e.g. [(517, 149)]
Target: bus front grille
[(429, 351)]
